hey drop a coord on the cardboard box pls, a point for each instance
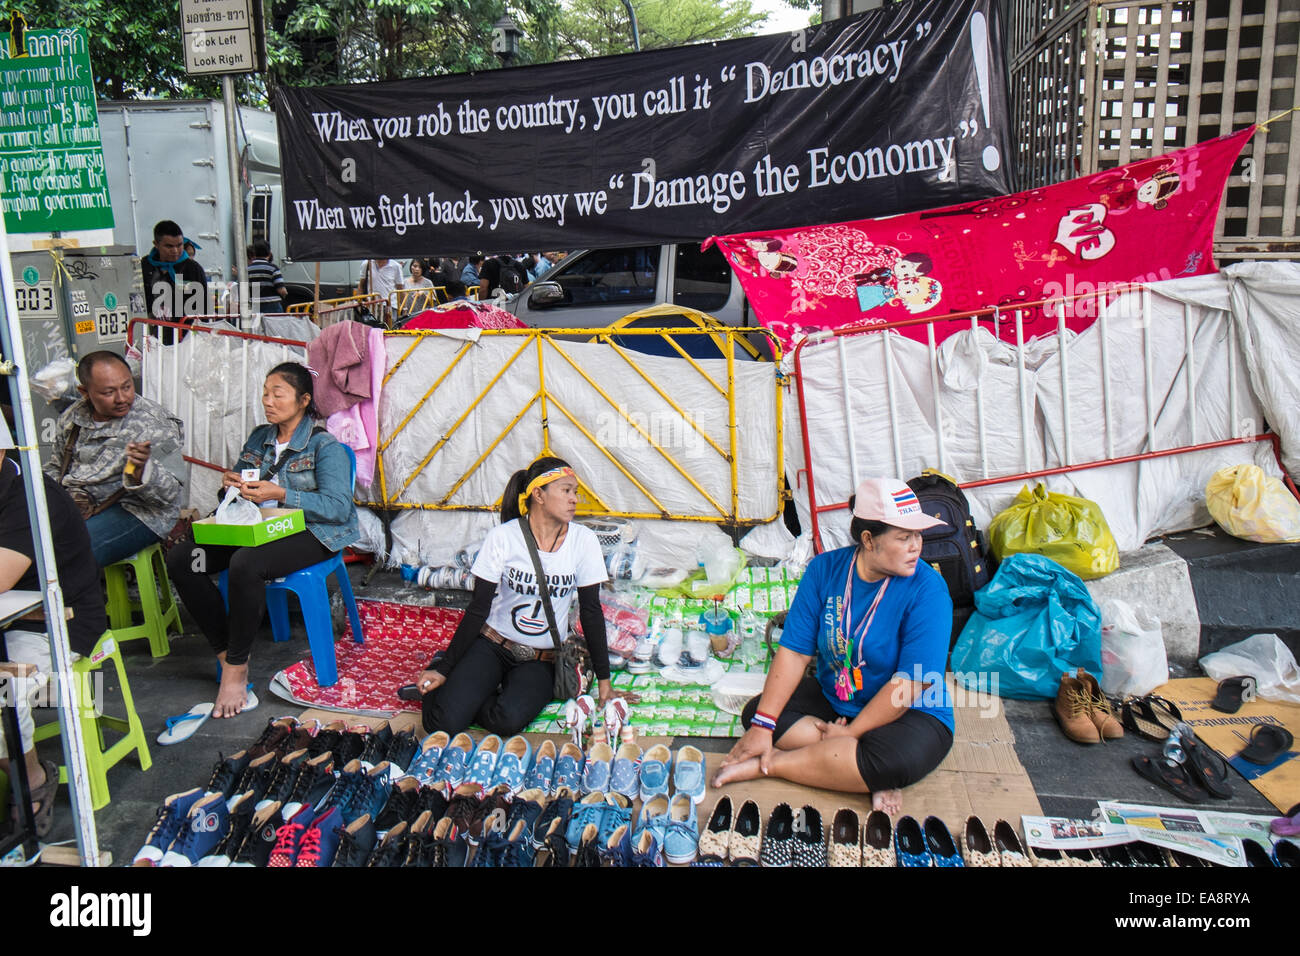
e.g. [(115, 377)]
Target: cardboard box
[(275, 523)]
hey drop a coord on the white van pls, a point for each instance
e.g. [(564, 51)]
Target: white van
[(593, 288)]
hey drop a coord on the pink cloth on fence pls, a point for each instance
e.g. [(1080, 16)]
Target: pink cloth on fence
[(358, 425), (1150, 220), (338, 356)]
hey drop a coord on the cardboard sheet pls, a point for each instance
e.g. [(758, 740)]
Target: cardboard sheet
[(1228, 734)]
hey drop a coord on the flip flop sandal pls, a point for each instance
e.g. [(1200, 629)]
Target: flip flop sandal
[(1175, 779), (1232, 692), (182, 726), (1150, 717), (1267, 743), (43, 819), (1206, 767)]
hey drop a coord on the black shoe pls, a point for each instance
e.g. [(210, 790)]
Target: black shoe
[(315, 777), (421, 847), (303, 736), (561, 808), (274, 737), (391, 851), (257, 775), (433, 799), (326, 738), (402, 749), (227, 772), (356, 842), (449, 847), (241, 817), (462, 807), (401, 804), (778, 840), (557, 848), (809, 838), (287, 771), (377, 743), (588, 854), (259, 841), (351, 745)]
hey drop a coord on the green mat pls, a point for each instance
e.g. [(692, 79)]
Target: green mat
[(666, 708), (671, 709)]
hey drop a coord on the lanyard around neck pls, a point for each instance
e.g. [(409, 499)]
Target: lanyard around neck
[(846, 623)]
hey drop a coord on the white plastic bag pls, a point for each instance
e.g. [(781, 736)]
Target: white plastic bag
[(55, 381), (1265, 658), (1133, 659), (236, 509)]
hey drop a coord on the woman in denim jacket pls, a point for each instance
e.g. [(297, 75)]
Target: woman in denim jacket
[(300, 466)]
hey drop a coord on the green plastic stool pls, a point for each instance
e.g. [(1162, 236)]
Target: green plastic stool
[(99, 756), (157, 604)]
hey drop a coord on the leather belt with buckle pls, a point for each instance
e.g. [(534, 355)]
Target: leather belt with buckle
[(520, 652)]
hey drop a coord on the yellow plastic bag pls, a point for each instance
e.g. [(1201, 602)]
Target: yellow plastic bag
[(1071, 531), (1250, 504)]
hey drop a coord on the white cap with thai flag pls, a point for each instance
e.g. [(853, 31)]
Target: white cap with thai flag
[(893, 502)]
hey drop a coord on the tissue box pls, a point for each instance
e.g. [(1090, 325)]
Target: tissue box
[(275, 523)]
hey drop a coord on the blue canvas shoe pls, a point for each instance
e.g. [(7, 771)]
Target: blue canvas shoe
[(541, 775), (590, 809), (170, 817), (626, 776), (424, 765), (616, 812), (940, 843), (654, 816), (484, 762), (682, 834), (656, 772), (558, 812), (595, 777), (616, 850), (203, 828), (568, 770), (909, 844), (454, 765), (512, 765), (688, 773), (320, 841), (647, 850)]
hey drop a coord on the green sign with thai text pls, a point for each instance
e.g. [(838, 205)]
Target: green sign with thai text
[(52, 175)]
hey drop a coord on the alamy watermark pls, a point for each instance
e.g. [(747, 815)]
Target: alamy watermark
[(969, 689), (627, 429)]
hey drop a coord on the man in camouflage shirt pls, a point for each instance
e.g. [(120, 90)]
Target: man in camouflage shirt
[(125, 460)]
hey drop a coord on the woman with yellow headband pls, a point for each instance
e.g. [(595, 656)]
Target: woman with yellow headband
[(499, 671)]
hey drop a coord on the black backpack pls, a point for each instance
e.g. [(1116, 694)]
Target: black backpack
[(513, 277), (958, 551)]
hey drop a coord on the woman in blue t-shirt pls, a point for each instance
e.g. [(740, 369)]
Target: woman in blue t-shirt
[(877, 716)]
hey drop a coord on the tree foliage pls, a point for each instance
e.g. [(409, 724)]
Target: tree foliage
[(599, 27), (135, 45)]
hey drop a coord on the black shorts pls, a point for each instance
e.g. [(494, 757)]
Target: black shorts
[(891, 757)]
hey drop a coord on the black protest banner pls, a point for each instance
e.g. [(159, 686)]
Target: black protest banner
[(897, 110)]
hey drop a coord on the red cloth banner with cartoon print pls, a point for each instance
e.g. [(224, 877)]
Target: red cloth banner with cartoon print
[(1147, 221)]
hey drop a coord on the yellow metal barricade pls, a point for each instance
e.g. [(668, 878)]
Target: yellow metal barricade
[(536, 349)]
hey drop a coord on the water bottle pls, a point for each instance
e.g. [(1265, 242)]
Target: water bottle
[(751, 651)]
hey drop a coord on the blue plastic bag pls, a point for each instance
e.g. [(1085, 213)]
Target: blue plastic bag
[(1033, 622)]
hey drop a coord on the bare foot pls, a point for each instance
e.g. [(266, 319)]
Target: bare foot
[(233, 693), (736, 772), (888, 801)]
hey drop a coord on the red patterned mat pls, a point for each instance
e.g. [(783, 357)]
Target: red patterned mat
[(400, 639)]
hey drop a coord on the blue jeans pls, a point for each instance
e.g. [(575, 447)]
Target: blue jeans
[(116, 534)]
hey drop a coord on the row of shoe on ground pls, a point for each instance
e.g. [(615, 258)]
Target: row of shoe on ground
[(281, 802)]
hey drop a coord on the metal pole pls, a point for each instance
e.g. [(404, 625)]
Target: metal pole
[(236, 201), (74, 747), (636, 34)]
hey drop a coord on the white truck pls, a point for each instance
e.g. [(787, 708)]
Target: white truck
[(167, 159)]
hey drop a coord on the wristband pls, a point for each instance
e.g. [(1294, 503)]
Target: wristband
[(764, 721)]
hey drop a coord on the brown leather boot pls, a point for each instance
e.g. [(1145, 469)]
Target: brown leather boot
[(1074, 712), (1102, 714)]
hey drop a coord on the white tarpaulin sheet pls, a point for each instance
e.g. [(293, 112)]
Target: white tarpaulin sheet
[(637, 448), (871, 404)]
